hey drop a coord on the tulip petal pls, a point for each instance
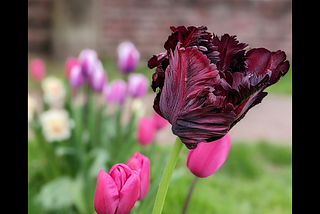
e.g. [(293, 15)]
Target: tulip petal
[(191, 78), (106, 198), (260, 60), (231, 53), (207, 158), (129, 193)]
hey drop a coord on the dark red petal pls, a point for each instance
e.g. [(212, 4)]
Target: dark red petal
[(156, 60), (231, 53), (187, 100), (157, 79), (261, 61)]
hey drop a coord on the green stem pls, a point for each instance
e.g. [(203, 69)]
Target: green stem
[(165, 180), (185, 206)]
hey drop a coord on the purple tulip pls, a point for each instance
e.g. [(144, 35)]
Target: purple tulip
[(76, 78), (141, 164), (116, 191), (138, 85), (128, 57), (88, 59), (207, 158), (115, 92), (98, 78), (70, 62)]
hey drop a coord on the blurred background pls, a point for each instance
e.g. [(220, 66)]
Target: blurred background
[(256, 178)]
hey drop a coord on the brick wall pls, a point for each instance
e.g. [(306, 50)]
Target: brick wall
[(146, 23)]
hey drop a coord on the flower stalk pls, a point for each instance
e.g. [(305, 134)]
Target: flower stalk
[(165, 180), (186, 203)]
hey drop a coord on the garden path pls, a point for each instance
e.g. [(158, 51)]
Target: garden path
[(271, 120)]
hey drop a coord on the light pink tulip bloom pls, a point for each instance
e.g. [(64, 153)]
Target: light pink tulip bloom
[(115, 92), (37, 69), (141, 164), (87, 60), (207, 158), (128, 57), (70, 62), (138, 85), (116, 191), (159, 122), (98, 78), (146, 131), (76, 79)]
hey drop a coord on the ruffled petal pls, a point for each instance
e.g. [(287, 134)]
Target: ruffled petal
[(231, 53), (260, 61), (191, 78)]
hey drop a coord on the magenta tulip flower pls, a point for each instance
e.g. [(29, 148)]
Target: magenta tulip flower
[(138, 85), (128, 57), (76, 79), (37, 69), (207, 158), (116, 191), (159, 122), (98, 78), (141, 164), (87, 60), (146, 131), (70, 63), (115, 92)]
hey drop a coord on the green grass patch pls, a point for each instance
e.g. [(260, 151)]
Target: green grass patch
[(256, 178)]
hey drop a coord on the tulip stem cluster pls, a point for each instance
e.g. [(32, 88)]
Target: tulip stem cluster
[(165, 180)]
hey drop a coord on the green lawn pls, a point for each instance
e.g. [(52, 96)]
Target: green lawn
[(256, 178)]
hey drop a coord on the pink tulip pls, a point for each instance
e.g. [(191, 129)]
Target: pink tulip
[(141, 164), (207, 158), (115, 92), (128, 57), (87, 60), (70, 62), (98, 78), (138, 85), (116, 191), (159, 121), (76, 78), (37, 69), (146, 131)]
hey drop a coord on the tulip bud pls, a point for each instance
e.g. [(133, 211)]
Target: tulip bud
[(98, 78), (76, 78), (128, 57), (87, 60), (116, 191), (146, 130), (37, 69), (159, 121), (207, 158), (141, 164), (138, 85), (115, 92), (70, 62)]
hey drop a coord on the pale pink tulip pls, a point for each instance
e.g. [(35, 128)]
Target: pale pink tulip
[(87, 60), (141, 164), (128, 57), (37, 69), (146, 131), (70, 62), (207, 158), (98, 78), (115, 92), (116, 191), (138, 85), (76, 79)]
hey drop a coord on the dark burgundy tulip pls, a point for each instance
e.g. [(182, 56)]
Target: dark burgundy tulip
[(207, 84)]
